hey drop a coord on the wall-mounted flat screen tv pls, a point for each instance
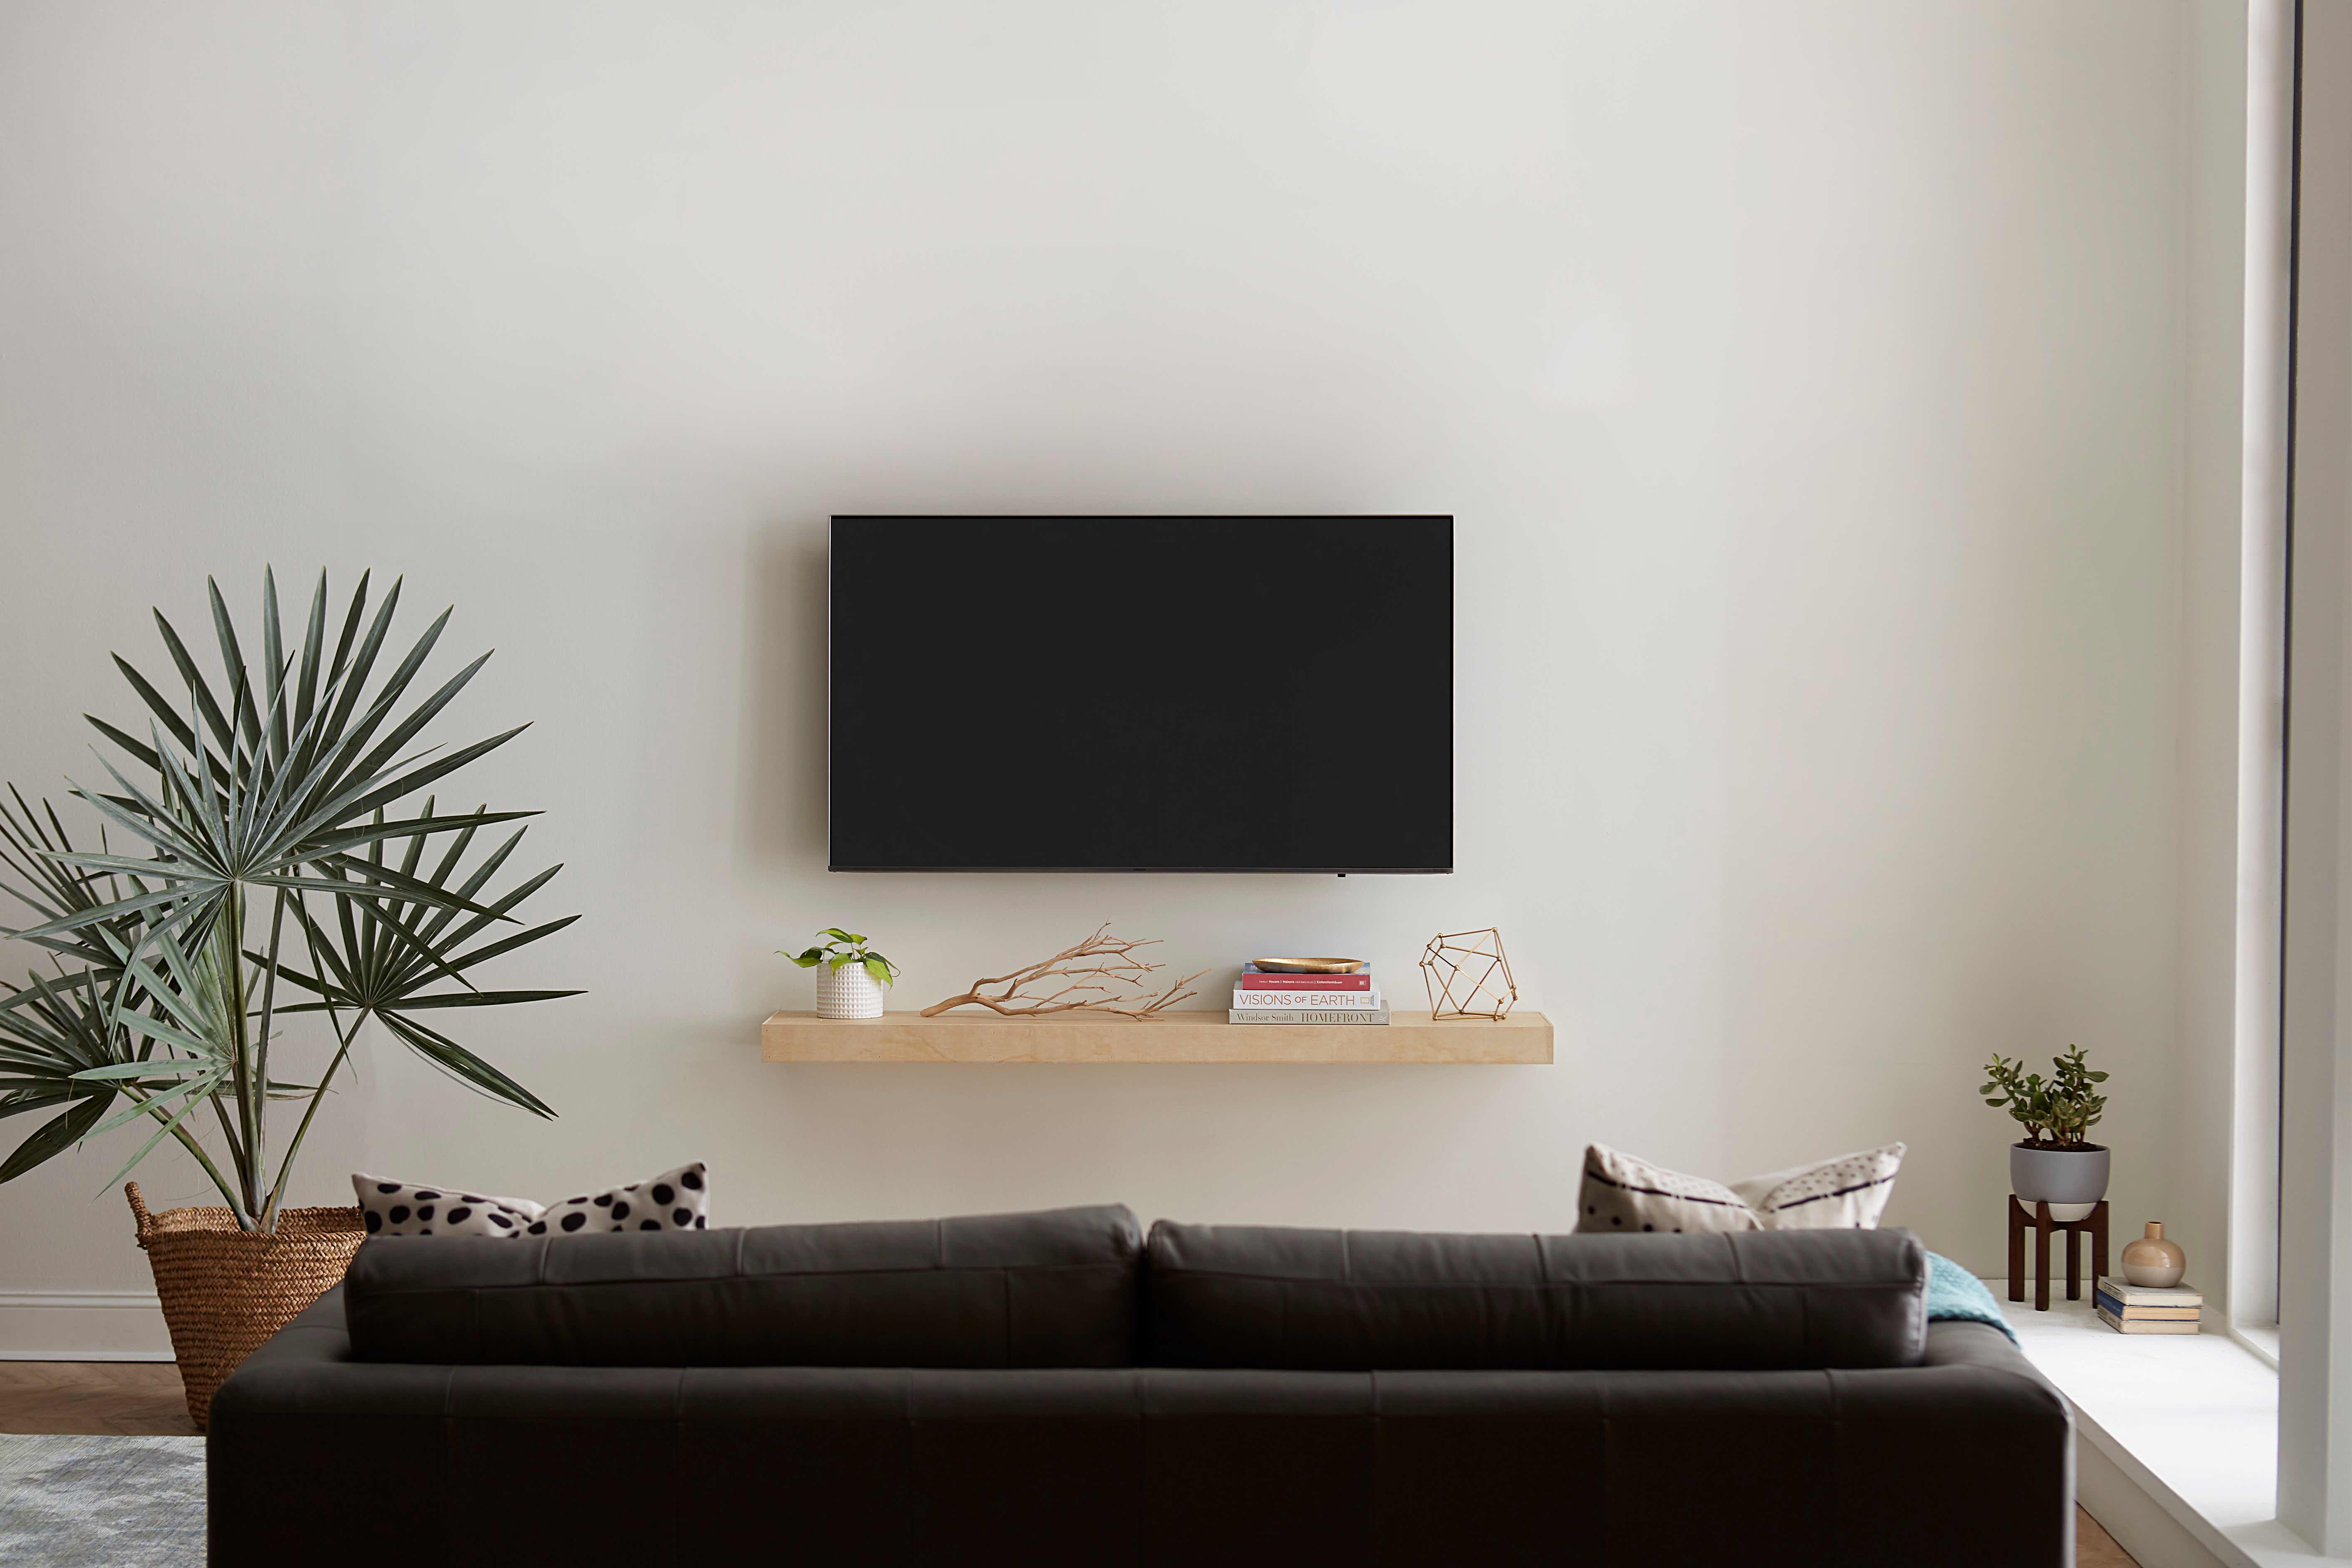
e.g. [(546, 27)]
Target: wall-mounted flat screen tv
[(1142, 694)]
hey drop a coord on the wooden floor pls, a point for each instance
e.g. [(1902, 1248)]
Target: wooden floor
[(2095, 1548), (136, 1398), (132, 1398)]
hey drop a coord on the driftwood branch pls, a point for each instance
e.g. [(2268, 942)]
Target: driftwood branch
[(1099, 975)]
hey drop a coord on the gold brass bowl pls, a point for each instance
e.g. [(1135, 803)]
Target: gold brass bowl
[(1309, 965)]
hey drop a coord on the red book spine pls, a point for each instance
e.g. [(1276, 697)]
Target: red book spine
[(1306, 982)]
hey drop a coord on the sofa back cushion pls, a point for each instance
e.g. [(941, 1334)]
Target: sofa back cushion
[(1251, 1296), (1053, 1289)]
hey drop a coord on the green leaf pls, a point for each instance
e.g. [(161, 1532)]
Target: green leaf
[(462, 1064), (508, 944), (164, 712), (169, 1127), (401, 734), (165, 1067), (202, 694), (17, 1102), (273, 658), (54, 1136), (314, 641), (84, 919), (362, 661), (351, 619), (378, 883), (408, 827), (249, 724), (480, 999), (415, 779)]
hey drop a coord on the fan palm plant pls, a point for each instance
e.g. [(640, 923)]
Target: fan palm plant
[(279, 867)]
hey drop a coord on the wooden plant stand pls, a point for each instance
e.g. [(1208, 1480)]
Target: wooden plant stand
[(2037, 1219)]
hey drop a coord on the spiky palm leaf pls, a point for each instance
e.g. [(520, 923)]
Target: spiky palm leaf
[(271, 790), (48, 1035)]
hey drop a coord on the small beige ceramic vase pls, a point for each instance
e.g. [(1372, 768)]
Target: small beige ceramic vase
[(2152, 1261)]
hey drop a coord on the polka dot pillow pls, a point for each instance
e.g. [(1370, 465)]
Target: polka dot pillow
[(414, 1209), (674, 1200)]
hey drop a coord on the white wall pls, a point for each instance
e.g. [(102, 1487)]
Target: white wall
[(1809, 382), (2216, 1009)]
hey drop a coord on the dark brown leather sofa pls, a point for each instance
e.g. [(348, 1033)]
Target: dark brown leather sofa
[(1056, 1389)]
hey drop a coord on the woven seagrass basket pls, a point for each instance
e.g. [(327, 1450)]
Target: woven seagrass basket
[(225, 1290)]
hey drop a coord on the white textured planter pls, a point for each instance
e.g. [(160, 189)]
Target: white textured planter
[(849, 992), (2072, 1181)]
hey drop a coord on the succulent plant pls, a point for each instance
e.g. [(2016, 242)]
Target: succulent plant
[(2056, 1112)]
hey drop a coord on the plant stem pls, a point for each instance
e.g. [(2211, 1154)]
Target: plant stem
[(261, 1052), (228, 1131), (245, 1221), (228, 941), (343, 1039), (285, 1166), (161, 1114)]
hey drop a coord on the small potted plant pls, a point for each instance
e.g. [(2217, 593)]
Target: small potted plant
[(2054, 1163), (850, 976)]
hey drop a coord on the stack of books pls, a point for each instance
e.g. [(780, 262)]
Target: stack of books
[(1262, 997), (2127, 1308)]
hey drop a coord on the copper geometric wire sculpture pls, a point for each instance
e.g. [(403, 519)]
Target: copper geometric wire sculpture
[(1467, 975)]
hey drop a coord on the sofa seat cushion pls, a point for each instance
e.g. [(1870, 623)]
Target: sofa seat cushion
[(1058, 1289), (1253, 1296)]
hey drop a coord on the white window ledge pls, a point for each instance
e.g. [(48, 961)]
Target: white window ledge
[(2262, 1339), (2176, 1437)]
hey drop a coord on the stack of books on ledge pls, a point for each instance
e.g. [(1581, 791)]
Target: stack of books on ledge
[(2127, 1308), (1261, 997)]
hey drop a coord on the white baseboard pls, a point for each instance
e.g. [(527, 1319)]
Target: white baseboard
[(82, 1325)]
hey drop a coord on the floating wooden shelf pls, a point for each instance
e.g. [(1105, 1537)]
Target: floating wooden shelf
[(978, 1037)]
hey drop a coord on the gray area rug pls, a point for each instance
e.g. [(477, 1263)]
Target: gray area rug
[(103, 1502)]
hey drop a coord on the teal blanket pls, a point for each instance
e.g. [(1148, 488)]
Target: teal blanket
[(1955, 1294)]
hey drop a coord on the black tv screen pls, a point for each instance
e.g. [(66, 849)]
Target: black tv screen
[(1142, 694)]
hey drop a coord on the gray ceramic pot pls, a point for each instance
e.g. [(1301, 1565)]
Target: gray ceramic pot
[(2072, 1181)]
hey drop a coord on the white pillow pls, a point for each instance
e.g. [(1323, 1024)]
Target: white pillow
[(1626, 1194), (675, 1200), (1848, 1193), (1622, 1194)]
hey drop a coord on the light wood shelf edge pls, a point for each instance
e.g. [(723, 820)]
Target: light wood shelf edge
[(1523, 1039)]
